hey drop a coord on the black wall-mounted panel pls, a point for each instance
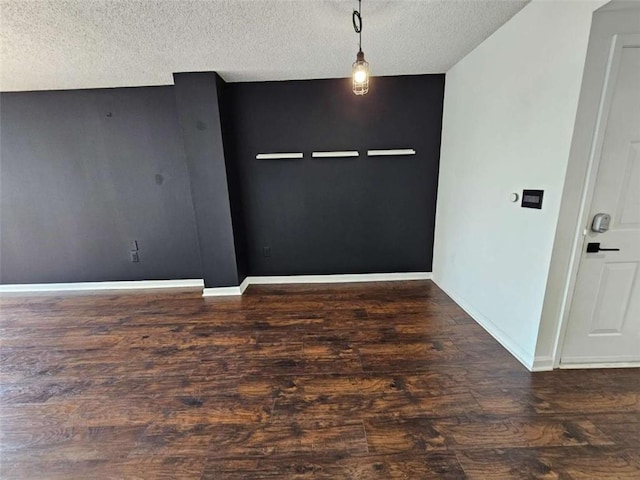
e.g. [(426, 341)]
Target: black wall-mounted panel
[(85, 172), (532, 199), (342, 215)]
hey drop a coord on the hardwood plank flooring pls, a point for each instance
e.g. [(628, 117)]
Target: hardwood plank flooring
[(355, 381)]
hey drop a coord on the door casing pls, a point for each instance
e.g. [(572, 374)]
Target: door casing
[(609, 23)]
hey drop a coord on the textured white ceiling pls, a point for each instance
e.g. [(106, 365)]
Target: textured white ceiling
[(55, 44)]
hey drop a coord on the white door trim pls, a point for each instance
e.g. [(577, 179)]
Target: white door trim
[(595, 99), (605, 97)]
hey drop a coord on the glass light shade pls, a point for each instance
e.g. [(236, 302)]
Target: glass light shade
[(360, 75)]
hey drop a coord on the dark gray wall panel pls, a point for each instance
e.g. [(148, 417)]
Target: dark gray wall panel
[(199, 114), (77, 186), (233, 179), (355, 215)]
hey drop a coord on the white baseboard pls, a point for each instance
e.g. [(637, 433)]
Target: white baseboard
[(217, 291), (339, 278), (492, 329), (542, 364), (292, 279), (244, 285), (226, 291), (89, 286), (221, 291)]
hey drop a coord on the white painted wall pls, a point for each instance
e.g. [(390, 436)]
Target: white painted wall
[(509, 112)]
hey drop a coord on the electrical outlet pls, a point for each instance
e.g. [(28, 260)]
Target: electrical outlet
[(266, 251), (135, 258)]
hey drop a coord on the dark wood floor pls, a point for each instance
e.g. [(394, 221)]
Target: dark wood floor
[(388, 380)]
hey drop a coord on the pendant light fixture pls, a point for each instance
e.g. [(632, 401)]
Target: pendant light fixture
[(360, 68)]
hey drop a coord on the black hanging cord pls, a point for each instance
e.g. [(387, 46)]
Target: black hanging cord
[(356, 19)]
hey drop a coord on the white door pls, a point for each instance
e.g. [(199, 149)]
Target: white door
[(604, 318)]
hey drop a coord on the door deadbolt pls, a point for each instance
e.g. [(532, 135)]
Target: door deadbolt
[(600, 222)]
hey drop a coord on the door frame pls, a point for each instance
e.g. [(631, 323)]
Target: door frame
[(611, 25)]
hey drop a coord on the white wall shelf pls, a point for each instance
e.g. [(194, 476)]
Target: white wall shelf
[(391, 152), (278, 156), (336, 154)]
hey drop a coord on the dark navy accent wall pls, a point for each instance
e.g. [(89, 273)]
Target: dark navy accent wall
[(338, 215), (85, 172)]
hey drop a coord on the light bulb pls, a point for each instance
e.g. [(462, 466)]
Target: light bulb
[(360, 76)]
